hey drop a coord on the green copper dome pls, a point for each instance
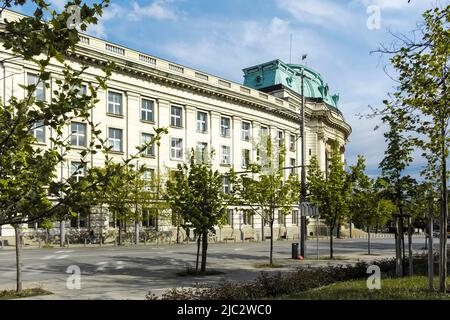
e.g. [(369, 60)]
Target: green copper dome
[(289, 75)]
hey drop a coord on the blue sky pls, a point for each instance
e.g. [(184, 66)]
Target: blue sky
[(223, 37)]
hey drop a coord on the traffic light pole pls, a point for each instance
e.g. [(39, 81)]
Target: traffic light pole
[(303, 173)]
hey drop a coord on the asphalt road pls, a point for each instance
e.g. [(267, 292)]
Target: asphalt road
[(131, 272)]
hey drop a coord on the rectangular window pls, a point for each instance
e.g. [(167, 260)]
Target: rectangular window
[(150, 218), (281, 218), (115, 103), (78, 135), (293, 164), (39, 131), (295, 217), (149, 178), (245, 158), (202, 118), (176, 150), (77, 170), (150, 149), (115, 139), (176, 116), (264, 131), (292, 142), (225, 155), (226, 184), (230, 213), (280, 138), (39, 92), (247, 218), (202, 152), (246, 127), (147, 110), (225, 127)]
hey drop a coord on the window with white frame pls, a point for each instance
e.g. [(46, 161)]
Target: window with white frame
[(77, 170), (280, 138), (115, 139), (147, 110), (247, 218), (225, 155), (146, 139), (78, 135), (281, 218), (176, 116), (150, 218), (226, 184), (225, 127), (246, 127), (245, 158), (264, 131), (39, 92), (81, 90), (115, 103), (176, 150), (292, 142), (294, 216), (202, 121), (230, 214), (202, 151), (39, 131), (293, 164), (149, 178)]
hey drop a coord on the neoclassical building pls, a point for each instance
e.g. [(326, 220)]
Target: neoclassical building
[(199, 109)]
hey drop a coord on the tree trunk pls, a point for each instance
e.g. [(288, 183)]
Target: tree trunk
[(136, 226), (410, 252), (199, 238), (62, 233), (263, 238), (444, 217), (18, 259), (430, 247), (120, 232), (351, 229), (178, 233), (403, 245), (331, 243), (398, 252), (368, 241), (338, 230), (204, 251), (271, 242)]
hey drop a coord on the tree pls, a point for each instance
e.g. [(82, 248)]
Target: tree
[(368, 208), (267, 189), (27, 178), (421, 103), (29, 190), (195, 192), (330, 191)]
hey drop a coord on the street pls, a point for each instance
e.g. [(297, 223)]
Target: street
[(131, 272)]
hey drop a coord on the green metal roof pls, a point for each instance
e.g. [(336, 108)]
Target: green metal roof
[(289, 75)]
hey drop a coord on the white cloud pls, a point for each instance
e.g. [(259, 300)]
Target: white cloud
[(57, 4), (159, 10)]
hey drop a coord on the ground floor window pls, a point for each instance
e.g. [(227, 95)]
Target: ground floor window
[(247, 218), (150, 218)]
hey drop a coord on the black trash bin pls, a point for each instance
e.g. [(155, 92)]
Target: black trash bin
[(295, 250)]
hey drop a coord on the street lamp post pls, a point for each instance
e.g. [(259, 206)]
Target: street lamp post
[(303, 171)]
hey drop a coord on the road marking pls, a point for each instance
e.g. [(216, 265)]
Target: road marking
[(102, 265), (119, 265)]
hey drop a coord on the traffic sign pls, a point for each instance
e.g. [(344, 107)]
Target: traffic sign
[(308, 209)]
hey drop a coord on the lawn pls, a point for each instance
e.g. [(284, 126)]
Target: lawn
[(12, 294), (414, 288)]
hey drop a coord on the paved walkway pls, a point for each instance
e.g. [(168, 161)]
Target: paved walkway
[(131, 272)]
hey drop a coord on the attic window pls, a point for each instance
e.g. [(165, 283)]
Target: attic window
[(259, 79)]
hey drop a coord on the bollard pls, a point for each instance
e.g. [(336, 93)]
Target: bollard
[(85, 241)]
